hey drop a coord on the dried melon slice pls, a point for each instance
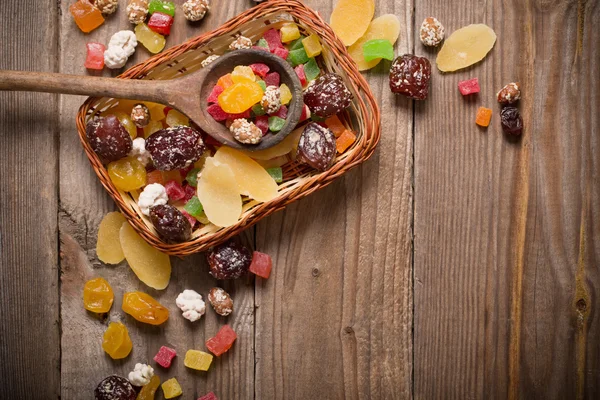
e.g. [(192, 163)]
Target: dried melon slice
[(108, 248), (385, 27), (350, 19), (280, 149), (150, 265), (465, 47), (253, 180), (219, 193)]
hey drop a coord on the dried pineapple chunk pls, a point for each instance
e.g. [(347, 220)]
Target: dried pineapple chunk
[(219, 193), (350, 19), (465, 47), (108, 249), (385, 27)]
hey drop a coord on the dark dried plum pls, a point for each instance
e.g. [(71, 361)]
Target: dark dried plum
[(175, 148), (108, 138), (170, 223), (317, 147), (114, 387), (409, 76), (229, 260), (327, 96), (511, 120)]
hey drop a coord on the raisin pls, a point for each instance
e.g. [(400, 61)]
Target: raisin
[(114, 387), (327, 96), (229, 260), (511, 120), (409, 76), (108, 138), (175, 148), (317, 147), (170, 223)]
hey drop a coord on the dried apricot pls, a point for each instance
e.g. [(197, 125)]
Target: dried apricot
[(144, 308), (116, 341), (350, 19), (465, 47), (219, 193), (384, 27), (98, 296), (108, 248)]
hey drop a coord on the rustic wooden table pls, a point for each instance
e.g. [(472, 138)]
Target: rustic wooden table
[(453, 264)]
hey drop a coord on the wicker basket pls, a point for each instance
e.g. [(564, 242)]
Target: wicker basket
[(299, 180)]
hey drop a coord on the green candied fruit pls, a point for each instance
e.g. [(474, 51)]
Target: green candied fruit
[(262, 42), (194, 207), (258, 110), (276, 124), (297, 57), (192, 177), (297, 44), (262, 84), (165, 7), (311, 70), (316, 118), (276, 173), (378, 48)]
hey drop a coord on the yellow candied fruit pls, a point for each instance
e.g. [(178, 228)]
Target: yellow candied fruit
[(286, 94), (152, 127), (198, 360), (127, 174), (175, 118), (98, 296), (157, 111), (386, 27), (108, 249), (312, 45), (289, 31), (127, 123), (239, 97), (171, 388), (149, 390), (465, 47), (116, 341), (151, 40), (219, 193), (242, 73), (350, 19), (225, 81)]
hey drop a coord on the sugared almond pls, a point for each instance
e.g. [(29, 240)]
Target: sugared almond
[(221, 301)]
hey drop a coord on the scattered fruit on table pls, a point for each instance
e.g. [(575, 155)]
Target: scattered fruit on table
[(162, 6), (165, 356), (509, 94), (484, 115), (261, 265), (208, 396), (108, 138), (114, 387), (170, 224), (431, 32), (127, 174), (95, 56), (512, 123), (385, 27), (409, 76), (221, 301), (175, 148), (350, 19), (222, 341), (144, 308), (98, 296), (137, 10), (161, 23), (152, 41), (148, 391), (195, 10), (228, 260), (140, 115), (469, 86), (191, 304), (465, 47), (317, 147), (378, 49), (116, 341), (86, 16), (327, 96), (141, 374), (108, 247), (219, 193), (171, 388), (120, 47), (344, 141), (198, 360)]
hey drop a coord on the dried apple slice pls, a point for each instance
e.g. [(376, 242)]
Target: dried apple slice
[(385, 27), (219, 193), (350, 19), (108, 248), (465, 47)]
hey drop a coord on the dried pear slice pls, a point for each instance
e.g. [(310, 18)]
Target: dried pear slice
[(465, 47), (350, 19), (385, 27), (219, 193), (108, 248)]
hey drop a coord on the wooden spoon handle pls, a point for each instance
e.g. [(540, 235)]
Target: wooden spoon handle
[(83, 85)]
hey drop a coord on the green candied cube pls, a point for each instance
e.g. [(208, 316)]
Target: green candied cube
[(262, 42), (194, 207), (262, 84), (258, 110), (165, 7), (276, 124), (378, 48), (297, 57), (276, 173), (311, 70), (192, 177), (297, 44)]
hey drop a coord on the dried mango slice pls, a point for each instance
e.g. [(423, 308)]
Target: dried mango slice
[(219, 193), (465, 47), (108, 248), (280, 149), (385, 27), (350, 19), (252, 179), (150, 265)]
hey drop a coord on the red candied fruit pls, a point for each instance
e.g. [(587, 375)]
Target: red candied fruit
[(209, 396), (95, 56), (261, 265), (214, 94), (273, 38), (245, 114), (184, 171), (260, 69), (160, 23), (165, 356), (175, 191), (301, 75), (190, 192), (262, 122), (272, 79), (217, 112), (281, 113), (305, 113), (222, 341), (469, 86), (281, 52), (190, 219), (259, 48)]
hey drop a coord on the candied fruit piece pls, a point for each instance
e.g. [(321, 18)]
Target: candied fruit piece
[(297, 57), (166, 7), (317, 147), (311, 70), (175, 118), (108, 234), (116, 341), (108, 138), (272, 79), (217, 112), (228, 260), (174, 175), (335, 125), (261, 45), (273, 38), (208, 396), (280, 149), (171, 388), (150, 265), (276, 124), (305, 113), (160, 23), (197, 360), (484, 115), (432, 32), (157, 111), (346, 139), (327, 96), (170, 223), (276, 173), (144, 308), (219, 193), (301, 75), (350, 19), (114, 387), (154, 177), (252, 179), (149, 390), (175, 148), (377, 49), (465, 47), (289, 32), (261, 264), (242, 73), (511, 121), (192, 176), (262, 123), (165, 356), (240, 97), (409, 76), (214, 94), (469, 86), (385, 27), (98, 296), (222, 341), (152, 127), (285, 94), (151, 40), (312, 45), (260, 69), (95, 56), (127, 174), (281, 52), (281, 113), (86, 16), (194, 207), (225, 81), (127, 123)]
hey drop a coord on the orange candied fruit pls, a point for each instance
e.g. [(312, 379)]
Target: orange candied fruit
[(344, 141), (155, 177), (225, 81), (86, 16), (484, 115), (335, 125)]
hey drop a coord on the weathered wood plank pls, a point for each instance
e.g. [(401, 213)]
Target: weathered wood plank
[(505, 250), (335, 318), (29, 301)]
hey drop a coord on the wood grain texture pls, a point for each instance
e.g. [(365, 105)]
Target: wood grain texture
[(506, 243), (29, 302), (334, 319)]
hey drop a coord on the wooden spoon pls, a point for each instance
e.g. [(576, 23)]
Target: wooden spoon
[(187, 94)]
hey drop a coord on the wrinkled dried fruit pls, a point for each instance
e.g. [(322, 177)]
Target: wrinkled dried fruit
[(108, 138), (409, 76), (229, 260), (98, 296), (175, 148), (511, 120), (327, 96), (108, 248), (221, 301), (116, 341), (219, 193), (114, 388), (317, 147), (170, 223), (465, 47), (144, 308), (350, 19)]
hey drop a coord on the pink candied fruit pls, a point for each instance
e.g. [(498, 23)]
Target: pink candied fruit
[(261, 265), (469, 86), (301, 75), (305, 113), (160, 23), (281, 113), (260, 69), (165, 356), (190, 192), (281, 52), (191, 219), (209, 396), (222, 341), (175, 191), (214, 94), (262, 122), (95, 56), (217, 112), (272, 79), (273, 38)]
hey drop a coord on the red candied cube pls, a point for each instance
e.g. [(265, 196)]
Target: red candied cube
[(209, 396), (165, 356), (301, 75), (281, 52), (184, 171), (160, 23), (217, 112), (272, 79), (190, 192), (95, 56), (175, 191), (469, 86), (222, 341), (245, 114), (305, 113), (261, 265), (281, 113), (214, 94), (191, 219), (262, 122), (273, 38), (260, 69)]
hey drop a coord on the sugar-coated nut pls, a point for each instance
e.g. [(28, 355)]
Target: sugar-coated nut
[(241, 42), (140, 115), (271, 100), (208, 60), (509, 93), (137, 10), (107, 6), (141, 374), (221, 301), (195, 10), (245, 131), (432, 32), (192, 305), (153, 194)]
